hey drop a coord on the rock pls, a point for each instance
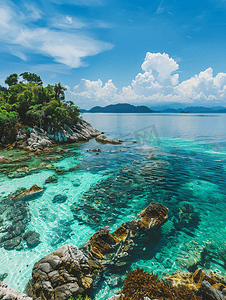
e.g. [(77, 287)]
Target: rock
[(7, 293), (116, 297), (112, 248), (208, 292), (3, 276), (62, 274), (154, 214), (195, 281), (51, 179), (104, 140), (30, 193), (186, 212), (2, 159), (32, 238), (21, 135), (94, 150), (12, 243), (59, 198)]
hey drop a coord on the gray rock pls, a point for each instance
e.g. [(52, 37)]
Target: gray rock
[(21, 135), (105, 140), (7, 293), (12, 243), (32, 238), (59, 198), (208, 292)]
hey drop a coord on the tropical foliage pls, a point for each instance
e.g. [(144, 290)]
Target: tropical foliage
[(27, 103)]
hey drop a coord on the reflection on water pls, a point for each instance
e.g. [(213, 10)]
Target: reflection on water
[(184, 170)]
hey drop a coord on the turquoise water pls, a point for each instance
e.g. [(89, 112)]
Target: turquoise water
[(174, 159)]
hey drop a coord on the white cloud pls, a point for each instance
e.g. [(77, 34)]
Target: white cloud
[(157, 84), (88, 91), (64, 47)]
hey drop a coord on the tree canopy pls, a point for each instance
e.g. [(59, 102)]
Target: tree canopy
[(28, 103)]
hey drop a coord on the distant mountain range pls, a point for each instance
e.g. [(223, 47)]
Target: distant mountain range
[(129, 108)]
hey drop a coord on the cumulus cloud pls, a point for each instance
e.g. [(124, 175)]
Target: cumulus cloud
[(19, 38), (157, 84), (92, 93)]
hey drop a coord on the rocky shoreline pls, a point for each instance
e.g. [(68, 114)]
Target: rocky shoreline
[(37, 140)]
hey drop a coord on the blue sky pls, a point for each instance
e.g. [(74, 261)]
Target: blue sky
[(138, 52)]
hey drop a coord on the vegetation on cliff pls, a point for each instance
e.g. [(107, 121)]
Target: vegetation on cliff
[(27, 103)]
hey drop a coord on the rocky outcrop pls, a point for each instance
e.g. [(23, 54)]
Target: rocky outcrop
[(62, 274), (28, 194), (40, 139), (112, 248), (105, 140), (7, 293)]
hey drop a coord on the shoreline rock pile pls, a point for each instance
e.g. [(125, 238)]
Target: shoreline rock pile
[(38, 139)]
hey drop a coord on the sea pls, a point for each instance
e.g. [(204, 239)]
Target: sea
[(178, 160)]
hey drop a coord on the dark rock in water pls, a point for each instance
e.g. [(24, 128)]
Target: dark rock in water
[(3, 276), (59, 198), (51, 179), (12, 243), (186, 208), (186, 212), (32, 238)]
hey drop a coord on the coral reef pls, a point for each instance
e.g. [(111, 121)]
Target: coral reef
[(139, 284)]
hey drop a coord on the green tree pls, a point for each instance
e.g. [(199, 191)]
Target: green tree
[(31, 77), (12, 79), (37, 112), (59, 91)]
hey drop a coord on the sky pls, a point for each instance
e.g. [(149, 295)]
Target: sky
[(166, 52)]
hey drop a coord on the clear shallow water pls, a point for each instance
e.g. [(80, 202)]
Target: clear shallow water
[(181, 159)]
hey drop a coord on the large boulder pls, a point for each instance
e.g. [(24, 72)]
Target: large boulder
[(62, 274)]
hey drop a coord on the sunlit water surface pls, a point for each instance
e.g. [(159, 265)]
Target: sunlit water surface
[(173, 159)]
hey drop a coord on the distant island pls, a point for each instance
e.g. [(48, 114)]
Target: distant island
[(129, 108), (119, 108)]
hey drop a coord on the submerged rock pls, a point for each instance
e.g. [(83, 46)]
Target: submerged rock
[(51, 179), (113, 248), (59, 198), (32, 238), (3, 276), (105, 140), (194, 281)]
